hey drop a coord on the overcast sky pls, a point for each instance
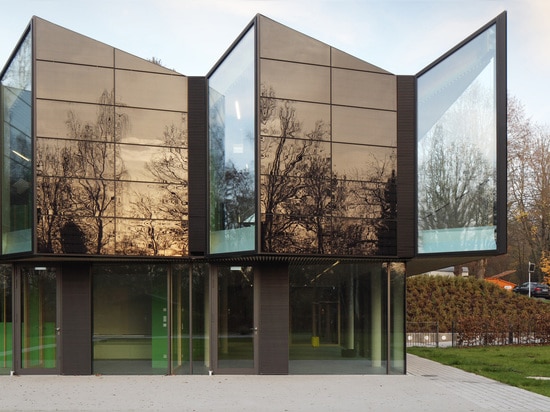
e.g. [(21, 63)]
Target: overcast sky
[(401, 36)]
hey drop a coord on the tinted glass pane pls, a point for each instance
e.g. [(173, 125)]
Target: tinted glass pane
[(17, 171), (303, 234), (367, 163), (457, 150), (151, 237), (154, 127), (72, 82), (280, 42), (152, 200), (155, 91), (154, 164), (364, 89), (296, 81), (130, 319), (363, 237), (354, 125), (295, 157), (232, 151), (55, 43), (338, 319), (52, 117), (285, 118)]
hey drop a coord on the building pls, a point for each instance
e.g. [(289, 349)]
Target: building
[(261, 219)]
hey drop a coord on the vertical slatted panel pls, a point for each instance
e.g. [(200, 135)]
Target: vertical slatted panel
[(406, 166), (198, 182)]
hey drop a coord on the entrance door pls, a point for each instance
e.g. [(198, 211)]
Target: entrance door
[(235, 329), (37, 332)]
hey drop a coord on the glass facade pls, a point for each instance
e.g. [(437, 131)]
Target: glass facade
[(17, 151), (301, 162), (339, 318), (112, 173), (141, 312), (231, 131), (327, 150), (457, 146)]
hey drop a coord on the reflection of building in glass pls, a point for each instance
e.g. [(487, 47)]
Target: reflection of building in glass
[(260, 219)]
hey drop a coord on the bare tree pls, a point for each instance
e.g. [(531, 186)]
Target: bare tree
[(528, 189)]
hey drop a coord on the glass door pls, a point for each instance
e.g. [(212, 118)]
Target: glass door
[(236, 331), (37, 327)]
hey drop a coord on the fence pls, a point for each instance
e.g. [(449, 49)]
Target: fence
[(475, 331)]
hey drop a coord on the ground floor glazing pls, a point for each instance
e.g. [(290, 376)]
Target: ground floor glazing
[(198, 318)]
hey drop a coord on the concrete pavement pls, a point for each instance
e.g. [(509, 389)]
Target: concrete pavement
[(428, 386)]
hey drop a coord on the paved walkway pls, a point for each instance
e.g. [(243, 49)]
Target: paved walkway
[(427, 387)]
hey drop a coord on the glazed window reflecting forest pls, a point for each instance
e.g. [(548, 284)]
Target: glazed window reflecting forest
[(96, 195), (319, 197), (457, 150)]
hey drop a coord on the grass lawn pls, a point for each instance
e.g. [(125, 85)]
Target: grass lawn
[(507, 364)]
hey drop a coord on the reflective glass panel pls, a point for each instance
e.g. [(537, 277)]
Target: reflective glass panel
[(296, 81), (280, 42), (366, 163), (17, 164), (457, 150), (72, 82), (155, 91), (154, 164), (363, 126), (52, 117), (364, 89), (363, 237), (130, 319), (338, 319), (6, 320), (154, 127), (151, 237), (232, 151), (55, 43), (285, 118), (151, 200), (295, 157)]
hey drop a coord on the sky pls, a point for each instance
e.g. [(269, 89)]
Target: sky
[(400, 36)]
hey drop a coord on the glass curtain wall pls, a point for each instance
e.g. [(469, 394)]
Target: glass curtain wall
[(6, 320), (232, 150), (17, 151), (328, 144), (111, 150), (339, 319), (130, 319), (144, 313), (457, 146)]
